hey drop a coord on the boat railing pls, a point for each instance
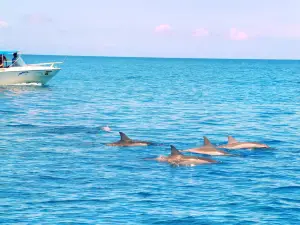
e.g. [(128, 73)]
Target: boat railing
[(51, 64)]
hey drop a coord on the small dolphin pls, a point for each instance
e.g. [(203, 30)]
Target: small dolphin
[(234, 144), (178, 159), (207, 149), (126, 142)]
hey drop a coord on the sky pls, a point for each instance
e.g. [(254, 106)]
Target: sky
[(153, 28)]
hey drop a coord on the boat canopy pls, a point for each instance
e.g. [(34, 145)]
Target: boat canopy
[(8, 52), (6, 63)]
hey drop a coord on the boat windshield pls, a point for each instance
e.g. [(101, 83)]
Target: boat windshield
[(19, 62)]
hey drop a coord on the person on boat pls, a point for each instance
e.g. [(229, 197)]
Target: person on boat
[(2, 60), (15, 60)]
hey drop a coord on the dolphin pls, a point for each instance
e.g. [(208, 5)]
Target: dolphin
[(127, 142), (206, 149), (178, 159), (234, 144)]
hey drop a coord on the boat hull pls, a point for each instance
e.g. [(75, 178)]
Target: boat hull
[(40, 75)]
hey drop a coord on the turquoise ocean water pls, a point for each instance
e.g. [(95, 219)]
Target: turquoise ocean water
[(55, 168)]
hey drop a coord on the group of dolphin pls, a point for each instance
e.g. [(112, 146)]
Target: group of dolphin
[(176, 158)]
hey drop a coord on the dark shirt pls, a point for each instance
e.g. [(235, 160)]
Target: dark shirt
[(14, 59)]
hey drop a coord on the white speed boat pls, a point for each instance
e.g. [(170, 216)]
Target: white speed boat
[(16, 71)]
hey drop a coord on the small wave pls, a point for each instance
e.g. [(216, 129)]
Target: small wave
[(8, 112), (290, 200), (144, 194), (47, 177), (287, 189), (59, 129), (185, 220), (73, 201), (71, 130), (22, 125)]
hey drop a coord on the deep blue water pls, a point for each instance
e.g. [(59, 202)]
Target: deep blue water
[(55, 168)]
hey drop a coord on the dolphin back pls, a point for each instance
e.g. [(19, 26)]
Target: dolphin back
[(174, 151), (206, 141), (232, 140), (124, 137)]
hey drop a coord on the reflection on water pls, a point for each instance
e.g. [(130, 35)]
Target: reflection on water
[(19, 89)]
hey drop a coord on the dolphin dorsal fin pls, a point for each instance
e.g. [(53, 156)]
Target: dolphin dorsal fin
[(174, 151), (231, 140), (124, 137), (206, 141)]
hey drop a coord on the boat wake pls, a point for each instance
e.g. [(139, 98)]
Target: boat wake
[(26, 84)]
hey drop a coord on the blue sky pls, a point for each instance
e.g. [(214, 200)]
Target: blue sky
[(155, 28)]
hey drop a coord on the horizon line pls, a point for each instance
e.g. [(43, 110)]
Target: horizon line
[(163, 57)]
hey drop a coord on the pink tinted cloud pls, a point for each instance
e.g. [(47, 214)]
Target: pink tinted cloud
[(163, 28), (200, 32), (37, 19), (237, 35), (3, 24)]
